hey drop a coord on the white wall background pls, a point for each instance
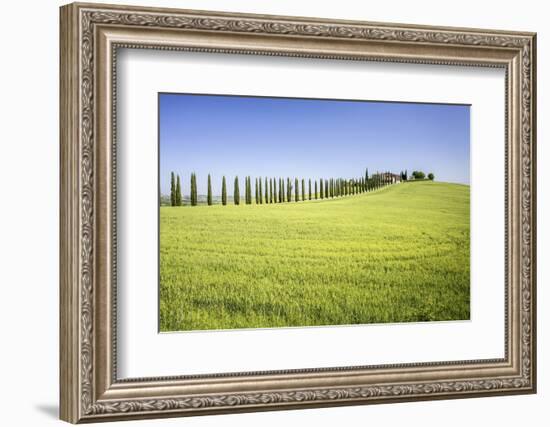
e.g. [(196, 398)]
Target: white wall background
[(29, 171)]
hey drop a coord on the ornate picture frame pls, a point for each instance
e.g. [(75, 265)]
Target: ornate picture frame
[(90, 37)]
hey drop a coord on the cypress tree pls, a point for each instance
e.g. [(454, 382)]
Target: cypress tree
[(309, 189), (260, 191), (172, 189), (288, 190), (316, 191), (326, 188), (280, 191), (321, 188), (256, 198), (236, 193), (193, 201), (367, 176), (209, 196), (249, 191), (303, 189), (270, 190), (178, 192), (224, 191), (266, 192), (296, 190), (193, 189)]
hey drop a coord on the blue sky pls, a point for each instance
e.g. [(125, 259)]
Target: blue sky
[(307, 138)]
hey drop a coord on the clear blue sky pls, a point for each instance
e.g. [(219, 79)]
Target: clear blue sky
[(307, 138)]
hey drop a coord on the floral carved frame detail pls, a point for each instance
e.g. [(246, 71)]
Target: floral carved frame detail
[(90, 36)]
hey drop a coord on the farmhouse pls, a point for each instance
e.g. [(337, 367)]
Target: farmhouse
[(390, 178)]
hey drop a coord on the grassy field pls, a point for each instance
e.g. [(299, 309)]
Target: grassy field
[(400, 254)]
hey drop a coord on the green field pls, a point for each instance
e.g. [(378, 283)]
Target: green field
[(399, 254)]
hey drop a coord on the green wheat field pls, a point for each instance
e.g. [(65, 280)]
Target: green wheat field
[(399, 254)]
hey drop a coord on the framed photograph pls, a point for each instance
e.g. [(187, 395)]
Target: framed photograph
[(266, 212)]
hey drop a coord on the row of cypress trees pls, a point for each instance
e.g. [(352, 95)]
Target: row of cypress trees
[(275, 190)]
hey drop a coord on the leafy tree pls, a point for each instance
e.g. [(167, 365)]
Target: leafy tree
[(224, 191), (418, 175), (172, 189), (178, 192), (209, 196), (406, 177), (431, 176), (236, 193)]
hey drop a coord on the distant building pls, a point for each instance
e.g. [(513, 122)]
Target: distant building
[(391, 177)]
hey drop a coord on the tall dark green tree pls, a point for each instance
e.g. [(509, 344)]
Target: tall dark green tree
[(236, 192), (316, 191), (281, 190), (326, 188), (309, 189), (296, 190), (321, 189), (260, 190), (270, 190), (194, 198), (178, 192), (172, 189), (224, 191), (266, 192), (367, 176), (288, 190), (209, 195), (256, 196)]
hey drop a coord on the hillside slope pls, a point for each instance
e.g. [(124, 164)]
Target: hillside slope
[(397, 255)]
